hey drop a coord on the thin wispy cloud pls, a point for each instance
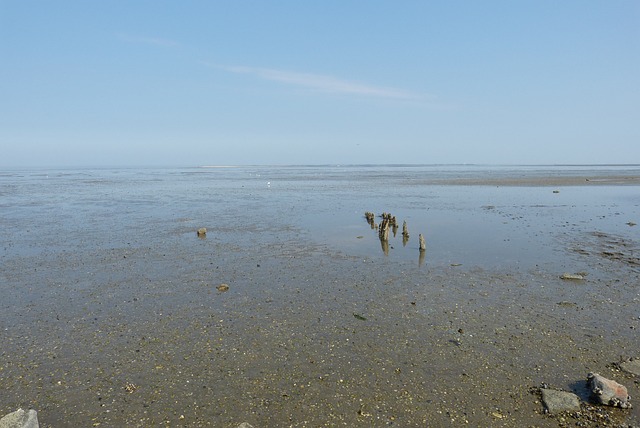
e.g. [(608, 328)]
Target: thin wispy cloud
[(320, 82), (146, 40)]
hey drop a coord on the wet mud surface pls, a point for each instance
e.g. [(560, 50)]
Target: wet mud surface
[(124, 324)]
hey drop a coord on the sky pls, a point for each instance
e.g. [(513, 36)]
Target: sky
[(238, 82)]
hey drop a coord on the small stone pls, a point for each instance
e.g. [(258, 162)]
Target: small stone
[(631, 366), (572, 276), (20, 419), (223, 287), (560, 401), (202, 232), (130, 387), (608, 392), (245, 425)]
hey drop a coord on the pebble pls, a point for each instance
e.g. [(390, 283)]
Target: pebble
[(572, 276), (631, 366), (20, 419), (560, 401)]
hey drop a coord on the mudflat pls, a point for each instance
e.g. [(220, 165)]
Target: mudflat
[(291, 312)]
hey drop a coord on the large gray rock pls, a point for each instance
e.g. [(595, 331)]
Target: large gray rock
[(560, 401), (20, 419), (631, 366), (608, 392)]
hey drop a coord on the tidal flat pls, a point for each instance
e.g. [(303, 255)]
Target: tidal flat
[(112, 314)]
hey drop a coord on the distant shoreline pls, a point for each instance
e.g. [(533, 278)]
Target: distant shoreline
[(603, 180)]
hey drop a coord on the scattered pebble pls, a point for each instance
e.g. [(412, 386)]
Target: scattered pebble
[(632, 366), (20, 419), (130, 387), (559, 401), (223, 287), (572, 276)]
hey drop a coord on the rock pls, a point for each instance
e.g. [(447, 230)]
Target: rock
[(560, 401), (20, 419), (245, 425), (608, 392), (202, 232), (632, 366), (223, 287), (572, 276), (423, 246)]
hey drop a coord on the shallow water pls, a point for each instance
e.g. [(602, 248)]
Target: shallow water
[(105, 282), (473, 225)]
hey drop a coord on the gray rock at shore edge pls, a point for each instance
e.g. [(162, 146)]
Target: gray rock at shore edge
[(560, 401), (20, 419), (245, 425), (632, 366), (608, 392)]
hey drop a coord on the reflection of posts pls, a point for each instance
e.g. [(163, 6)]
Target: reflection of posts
[(421, 258), (385, 246)]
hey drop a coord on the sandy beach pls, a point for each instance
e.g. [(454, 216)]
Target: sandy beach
[(112, 314)]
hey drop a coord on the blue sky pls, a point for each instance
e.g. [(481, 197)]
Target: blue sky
[(88, 83)]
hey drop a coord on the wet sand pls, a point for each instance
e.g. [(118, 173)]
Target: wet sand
[(136, 333)]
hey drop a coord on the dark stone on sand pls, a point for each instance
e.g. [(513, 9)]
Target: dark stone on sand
[(20, 419), (608, 392), (560, 401), (632, 366)]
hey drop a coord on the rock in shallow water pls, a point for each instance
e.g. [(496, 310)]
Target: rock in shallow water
[(20, 419), (560, 401), (608, 392)]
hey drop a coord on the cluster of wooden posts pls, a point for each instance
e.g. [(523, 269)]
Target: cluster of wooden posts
[(388, 223)]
